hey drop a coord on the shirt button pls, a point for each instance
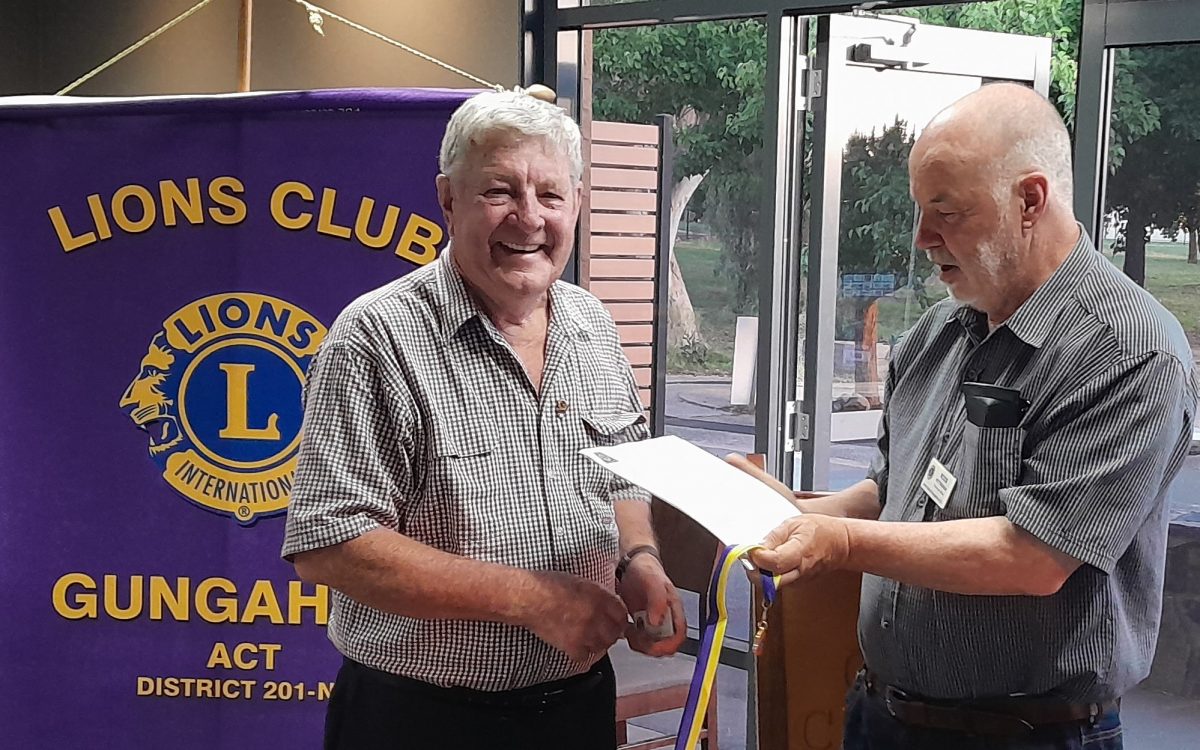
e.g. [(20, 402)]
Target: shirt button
[(885, 624), (560, 532), (560, 407), (921, 501), (945, 438)]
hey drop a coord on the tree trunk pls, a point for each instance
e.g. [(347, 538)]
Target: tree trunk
[(682, 327), (1193, 247), (1135, 246)]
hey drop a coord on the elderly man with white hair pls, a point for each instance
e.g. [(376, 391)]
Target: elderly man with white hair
[(481, 567), (1012, 528)]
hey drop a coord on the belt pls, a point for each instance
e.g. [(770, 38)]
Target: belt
[(544, 694), (1008, 715)]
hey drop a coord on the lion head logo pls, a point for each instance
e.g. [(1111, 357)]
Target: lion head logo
[(145, 402), (218, 397)]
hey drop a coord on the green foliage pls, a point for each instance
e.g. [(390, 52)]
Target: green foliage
[(1134, 115), (1154, 162), (708, 75), (877, 211), (876, 225), (1057, 19), (733, 200)]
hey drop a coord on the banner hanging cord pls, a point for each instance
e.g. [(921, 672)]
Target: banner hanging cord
[(314, 17), (315, 13), (131, 49)]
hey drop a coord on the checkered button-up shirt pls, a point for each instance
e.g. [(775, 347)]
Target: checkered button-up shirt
[(419, 417)]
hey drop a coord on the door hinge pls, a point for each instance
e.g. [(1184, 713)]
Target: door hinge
[(812, 85), (808, 83), (795, 427)]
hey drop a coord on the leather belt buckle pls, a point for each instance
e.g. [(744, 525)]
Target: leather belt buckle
[(891, 695), (902, 707)]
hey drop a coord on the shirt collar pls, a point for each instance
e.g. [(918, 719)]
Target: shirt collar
[(457, 305), (1036, 317), (566, 311)]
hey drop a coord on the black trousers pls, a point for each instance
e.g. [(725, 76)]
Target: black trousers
[(373, 710)]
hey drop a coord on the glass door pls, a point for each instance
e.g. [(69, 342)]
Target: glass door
[(874, 83), (1150, 229)]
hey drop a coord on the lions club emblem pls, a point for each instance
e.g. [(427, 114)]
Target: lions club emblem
[(218, 396)]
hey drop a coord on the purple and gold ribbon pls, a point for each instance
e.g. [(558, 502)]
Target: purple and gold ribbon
[(713, 636)]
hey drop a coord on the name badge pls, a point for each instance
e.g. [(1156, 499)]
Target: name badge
[(938, 482)]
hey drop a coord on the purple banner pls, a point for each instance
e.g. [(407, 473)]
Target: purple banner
[(167, 269)]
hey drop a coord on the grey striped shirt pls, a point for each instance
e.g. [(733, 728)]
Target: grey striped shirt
[(1108, 375), (419, 418)]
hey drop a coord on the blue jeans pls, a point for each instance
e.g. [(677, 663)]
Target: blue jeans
[(870, 727)]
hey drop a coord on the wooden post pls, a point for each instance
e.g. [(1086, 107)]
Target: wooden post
[(244, 30), (584, 251), (809, 659)]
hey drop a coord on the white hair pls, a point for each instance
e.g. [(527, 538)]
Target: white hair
[(513, 113), (1046, 149)]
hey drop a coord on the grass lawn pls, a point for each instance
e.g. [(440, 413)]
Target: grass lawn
[(1169, 277), (1174, 282), (712, 299)]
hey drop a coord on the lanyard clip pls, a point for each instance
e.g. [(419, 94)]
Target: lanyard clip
[(760, 634)]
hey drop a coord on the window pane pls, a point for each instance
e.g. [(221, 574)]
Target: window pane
[(710, 77), (1152, 216)]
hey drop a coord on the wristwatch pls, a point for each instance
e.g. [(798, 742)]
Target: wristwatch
[(627, 558)]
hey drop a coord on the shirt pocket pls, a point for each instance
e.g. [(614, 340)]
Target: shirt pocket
[(462, 505), (989, 461), (604, 429), (611, 428)]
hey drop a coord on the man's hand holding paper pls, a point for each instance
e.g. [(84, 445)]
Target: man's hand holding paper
[(731, 505), (800, 546), (804, 546)]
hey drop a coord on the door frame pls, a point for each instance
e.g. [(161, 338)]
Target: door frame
[(1108, 26), (974, 54)]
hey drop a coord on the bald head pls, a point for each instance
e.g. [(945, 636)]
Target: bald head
[(991, 175), (1004, 131)]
